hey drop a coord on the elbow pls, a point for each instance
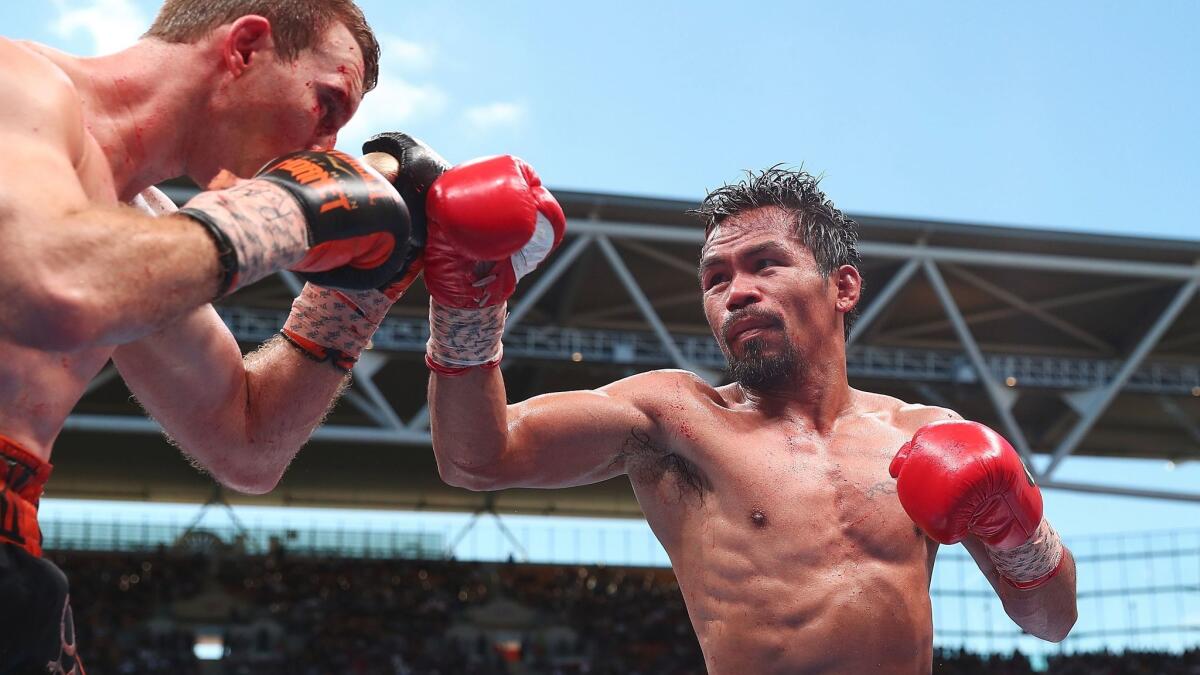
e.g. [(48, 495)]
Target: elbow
[(248, 481), (1060, 630), (244, 470), (475, 479), (1051, 627)]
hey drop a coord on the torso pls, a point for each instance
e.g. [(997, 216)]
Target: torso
[(792, 550), (38, 389)]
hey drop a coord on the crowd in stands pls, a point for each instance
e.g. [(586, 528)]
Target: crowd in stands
[(277, 613)]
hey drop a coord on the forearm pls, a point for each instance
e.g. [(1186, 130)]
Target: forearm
[(468, 420), (103, 275), (243, 420), (1047, 611)]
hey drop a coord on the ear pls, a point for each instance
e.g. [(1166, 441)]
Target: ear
[(849, 288), (246, 40)]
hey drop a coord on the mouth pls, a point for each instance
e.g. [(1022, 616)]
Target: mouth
[(749, 327)]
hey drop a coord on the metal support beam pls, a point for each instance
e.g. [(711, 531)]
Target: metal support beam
[(420, 420), (367, 407), (1180, 340), (882, 300), (1169, 495), (1049, 303), (1011, 259), (1181, 418), (660, 302), (1002, 399), (562, 262), (647, 310), (293, 282), (387, 414), (102, 378), (692, 269), (1031, 309), (931, 395), (1109, 391)]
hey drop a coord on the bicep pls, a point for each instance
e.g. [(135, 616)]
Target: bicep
[(573, 438)]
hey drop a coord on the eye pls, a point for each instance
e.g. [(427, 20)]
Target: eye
[(330, 110), (764, 263), (714, 279)]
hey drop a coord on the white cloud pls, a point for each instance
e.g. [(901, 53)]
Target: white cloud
[(493, 115), (112, 25), (394, 104), (401, 54)]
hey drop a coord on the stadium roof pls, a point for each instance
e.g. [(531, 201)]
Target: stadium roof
[(1069, 343)]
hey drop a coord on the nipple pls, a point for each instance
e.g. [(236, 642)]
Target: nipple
[(758, 518)]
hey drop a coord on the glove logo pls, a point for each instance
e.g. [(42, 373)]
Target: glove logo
[(315, 177)]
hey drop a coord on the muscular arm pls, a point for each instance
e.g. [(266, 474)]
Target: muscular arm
[(549, 441), (1048, 611), (243, 420), (76, 273)]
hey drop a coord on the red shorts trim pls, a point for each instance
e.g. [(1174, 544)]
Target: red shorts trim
[(23, 478)]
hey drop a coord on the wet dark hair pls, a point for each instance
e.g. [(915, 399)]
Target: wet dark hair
[(296, 25), (819, 225)]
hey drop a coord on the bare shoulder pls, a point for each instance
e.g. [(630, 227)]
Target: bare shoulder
[(659, 390), (912, 416), (905, 417), (36, 96)]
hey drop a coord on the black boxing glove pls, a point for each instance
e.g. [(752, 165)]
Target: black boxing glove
[(335, 326), (320, 213), (418, 166)]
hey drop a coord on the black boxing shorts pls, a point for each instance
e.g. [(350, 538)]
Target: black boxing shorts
[(37, 631)]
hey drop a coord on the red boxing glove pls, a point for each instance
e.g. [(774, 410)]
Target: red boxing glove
[(491, 222), (957, 478)]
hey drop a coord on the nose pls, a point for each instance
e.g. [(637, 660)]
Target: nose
[(743, 292)]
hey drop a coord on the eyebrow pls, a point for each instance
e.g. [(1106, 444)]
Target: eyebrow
[(765, 247)]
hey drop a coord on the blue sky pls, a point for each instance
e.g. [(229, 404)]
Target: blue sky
[(1069, 115)]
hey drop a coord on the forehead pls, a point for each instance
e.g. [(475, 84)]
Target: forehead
[(751, 228), (338, 55)]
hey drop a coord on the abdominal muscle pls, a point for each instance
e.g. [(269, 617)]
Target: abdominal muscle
[(796, 557), (843, 616)]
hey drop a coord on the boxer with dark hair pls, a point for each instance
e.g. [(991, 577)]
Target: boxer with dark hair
[(95, 264), (801, 516)]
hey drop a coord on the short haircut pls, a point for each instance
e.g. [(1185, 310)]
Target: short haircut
[(819, 225), (296, 25)]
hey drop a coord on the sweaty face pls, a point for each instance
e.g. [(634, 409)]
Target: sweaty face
[(766, 301), (278, 106)]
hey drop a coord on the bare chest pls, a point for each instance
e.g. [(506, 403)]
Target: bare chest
[(779, 487)]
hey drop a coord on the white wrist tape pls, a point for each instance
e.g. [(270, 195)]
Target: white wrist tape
[(1033, 563), (463, 338)]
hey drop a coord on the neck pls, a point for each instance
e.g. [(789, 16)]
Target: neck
[(818, 392), (137, 104)]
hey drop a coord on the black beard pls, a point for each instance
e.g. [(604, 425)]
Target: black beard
[(757, 371)]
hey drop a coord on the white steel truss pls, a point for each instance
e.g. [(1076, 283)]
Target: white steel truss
[(1088, 385)]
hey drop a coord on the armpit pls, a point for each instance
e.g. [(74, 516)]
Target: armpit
[(647, 463)]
